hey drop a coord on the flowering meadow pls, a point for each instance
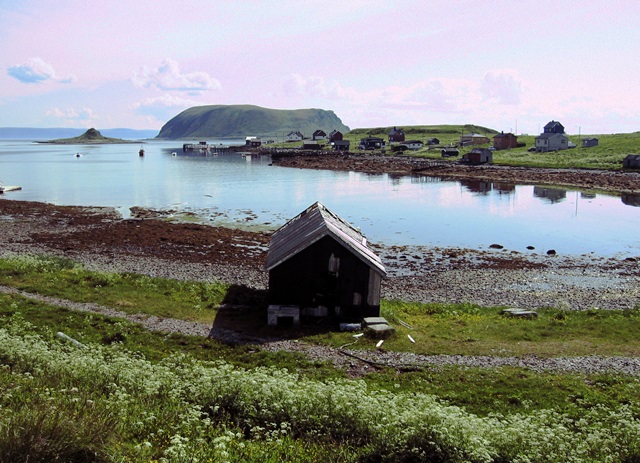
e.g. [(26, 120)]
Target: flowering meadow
[(61, 401)]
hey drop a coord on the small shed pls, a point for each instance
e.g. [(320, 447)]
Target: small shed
[(632, 161), (341, 145), (504, 141), (311, 145), (253, 142), (433, 141), (478, 156), (371, 143), (450, 151), (396, 135), (319, 135), (473, 139), (321, 264), (589, 142), (335, 135)]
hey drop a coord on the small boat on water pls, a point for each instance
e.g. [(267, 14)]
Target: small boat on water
[(7, 188), (141, 152)]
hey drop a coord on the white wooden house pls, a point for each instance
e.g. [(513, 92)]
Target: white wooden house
[(413, 145), (295, 136), (551, 142)]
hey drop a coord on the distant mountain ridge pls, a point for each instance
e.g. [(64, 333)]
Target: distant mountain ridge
[(248, 120), (35, 133)]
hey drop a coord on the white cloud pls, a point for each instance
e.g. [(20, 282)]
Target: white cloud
[(164, 106), (165, 101), (84, 116), (36, 71), (501, 99), (503, 86), (434, 95), (438, 94), (168, 77), (311, 85), (318, 87)]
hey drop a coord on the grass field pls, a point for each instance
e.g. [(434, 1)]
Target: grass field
[(136, 395)]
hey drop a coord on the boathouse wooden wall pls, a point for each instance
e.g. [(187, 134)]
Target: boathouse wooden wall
[(330, 275)]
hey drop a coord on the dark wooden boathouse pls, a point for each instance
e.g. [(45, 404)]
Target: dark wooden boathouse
[(320, 265)]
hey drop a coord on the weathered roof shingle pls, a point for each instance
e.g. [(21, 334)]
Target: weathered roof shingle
[(311, 225)]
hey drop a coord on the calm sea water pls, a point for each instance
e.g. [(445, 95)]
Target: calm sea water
[(249, 192)]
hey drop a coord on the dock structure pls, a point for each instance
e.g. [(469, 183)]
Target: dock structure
[(205, 148)]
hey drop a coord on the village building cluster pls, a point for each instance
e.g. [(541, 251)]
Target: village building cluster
[(553, 138)]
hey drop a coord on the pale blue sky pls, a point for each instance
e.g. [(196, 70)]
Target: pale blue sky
[(504, 64)]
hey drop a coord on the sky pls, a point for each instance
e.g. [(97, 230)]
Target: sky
[(508, 65)]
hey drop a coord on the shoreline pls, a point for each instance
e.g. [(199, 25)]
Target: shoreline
[(618, 182), (101, 240)]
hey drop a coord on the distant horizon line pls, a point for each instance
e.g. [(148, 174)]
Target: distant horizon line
[(73, 128), (157, 131)]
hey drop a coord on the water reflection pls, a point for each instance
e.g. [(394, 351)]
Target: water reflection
[(477, 186), (390, 209), (484, 187), (551, 195), (418, 179), (631, 200), (504, 188)]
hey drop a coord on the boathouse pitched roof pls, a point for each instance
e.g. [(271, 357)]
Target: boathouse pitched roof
[(310, 226)]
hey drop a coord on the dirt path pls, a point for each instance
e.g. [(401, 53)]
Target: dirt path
[(354, 361)]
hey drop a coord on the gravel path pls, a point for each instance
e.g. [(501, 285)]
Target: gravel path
[(355, 362)]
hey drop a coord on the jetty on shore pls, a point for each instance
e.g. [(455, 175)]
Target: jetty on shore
[(205, 148)]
